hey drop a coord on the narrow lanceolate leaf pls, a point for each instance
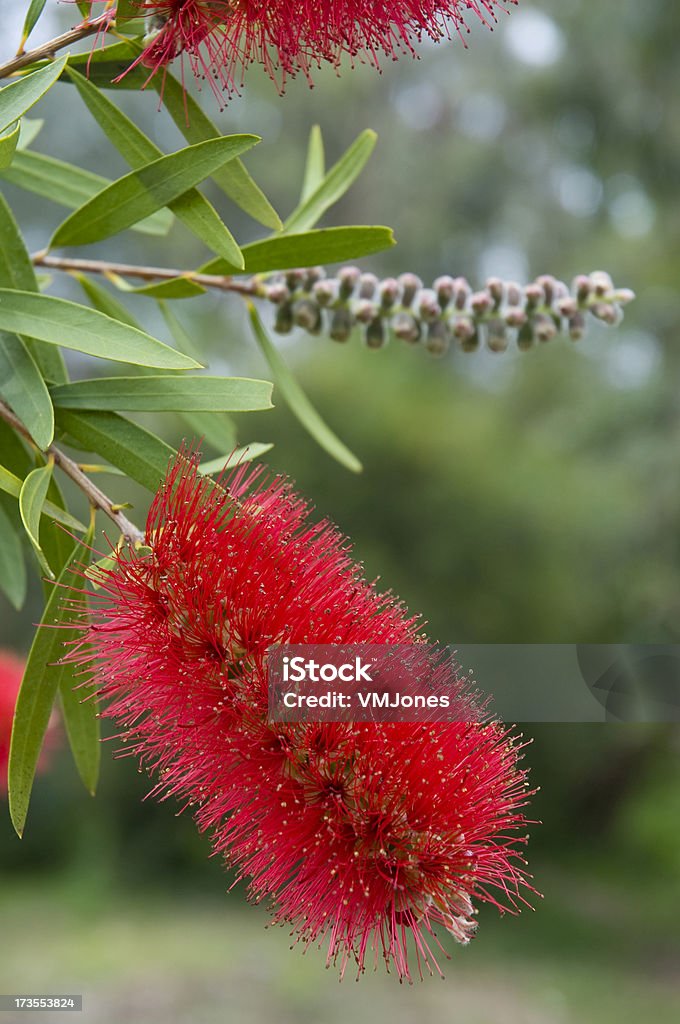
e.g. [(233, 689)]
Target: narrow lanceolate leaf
[(126, 11), (18, 97), (315, 165), (10, 483), (181, 337), (248, 452), (77, 695), (297, 400), (165, 393), (31, 501), (334, 184), (137, 452), (16, 271), (71, 186), (8, 144), (60, 322), (35, 9), (55, 541), (176, 288), (156, 184), (105, 302), (328, 245), (23, 388), (12, 565), (214, 428), (30, 129), (233, 178), (79, 711), (104, 65), (42, 681), (192, 208)]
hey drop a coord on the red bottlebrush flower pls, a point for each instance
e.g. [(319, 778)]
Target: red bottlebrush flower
[(360, 834), (11, 674), (222, 37)]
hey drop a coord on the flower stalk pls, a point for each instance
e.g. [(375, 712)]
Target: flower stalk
[(450, 312), (71, 469)]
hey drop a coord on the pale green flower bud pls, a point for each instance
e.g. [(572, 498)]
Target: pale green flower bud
[(283, 321), (410, 286), (406, 327), (376, 336), (367, 286), (342, 324), (438, 339), (306, 314)]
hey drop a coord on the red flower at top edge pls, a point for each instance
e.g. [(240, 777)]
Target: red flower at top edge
[(221, 38)]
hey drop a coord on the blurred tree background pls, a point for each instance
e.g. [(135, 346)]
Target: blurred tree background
[(528, 497)]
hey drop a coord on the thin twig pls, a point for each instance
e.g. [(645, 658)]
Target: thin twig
[(224, 283), (52, 46), (95, 496)]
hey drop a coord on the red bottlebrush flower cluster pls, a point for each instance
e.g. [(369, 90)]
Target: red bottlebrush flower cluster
[(222, 37), (11, 674), (358, 834)]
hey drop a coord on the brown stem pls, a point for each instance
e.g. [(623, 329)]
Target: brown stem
[(224, 282), (50, 48), (95, 496)]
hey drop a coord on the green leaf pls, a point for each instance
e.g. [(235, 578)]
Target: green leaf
[(328, 245), (16, 271), (43, 678), (179, 333), (192, 208), (315, 167), (233, 178), (30, 129), (96, 571), (297, 400), (15, 458), (23, 388), (105, 302), (137, 452), (215, 428), (247, 453), (126, 10), (77, 696), (156, 184), (12, 565), (79, 711), (73, 326), (18, 97), (103, 65), (165, 393), (334, 185), (8, 144), (176, 288), (35, 9), (31, 501), (71, 186), (11, 484), (54, 539)]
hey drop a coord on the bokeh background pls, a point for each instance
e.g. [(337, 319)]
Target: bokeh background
[(517, 498)]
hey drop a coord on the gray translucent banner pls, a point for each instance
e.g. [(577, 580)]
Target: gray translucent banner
[(575, 682)]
